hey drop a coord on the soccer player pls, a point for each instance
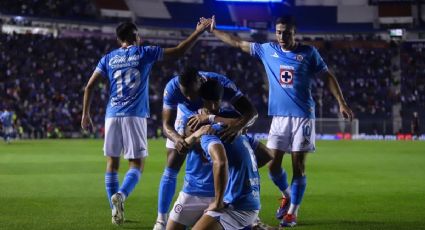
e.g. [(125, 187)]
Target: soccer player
[(184, 90), (127, 70), (291, 68), (236, 179), (198, 189), (6, 118)]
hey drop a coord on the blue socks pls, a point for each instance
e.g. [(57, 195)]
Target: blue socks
[(111, 184), (280, 180), (297, 189), (167, 188), (131, 178)]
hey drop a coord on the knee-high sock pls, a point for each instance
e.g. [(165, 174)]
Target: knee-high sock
[(280, 180), (111, 184), (297, 192), (167, 188), (131, 178)]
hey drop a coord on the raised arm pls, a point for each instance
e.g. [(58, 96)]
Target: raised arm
[(185, 45), (333, 86), (86, 121), (230, 39)]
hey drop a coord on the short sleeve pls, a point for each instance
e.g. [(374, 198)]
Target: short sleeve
[(256, 50), (101, 67), (169, 101), (153, 53), (319, 66), (207, 140)]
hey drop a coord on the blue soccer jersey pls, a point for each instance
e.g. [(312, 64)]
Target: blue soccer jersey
[(290, 75), (127, 70), (243, 188), (198, 180), (173, 95)]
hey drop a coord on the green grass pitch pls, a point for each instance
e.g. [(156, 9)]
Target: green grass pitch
[(59, 184)]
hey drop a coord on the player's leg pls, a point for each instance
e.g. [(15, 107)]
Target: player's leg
[(187, 210), (135, 150), (167, 186), (298, 186), (207, 223), (112, 150), (227, 218), (303, 142), (279, 142), (172, 225), (111, 177)]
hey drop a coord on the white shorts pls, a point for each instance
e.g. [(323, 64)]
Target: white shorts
[(170, 144), (188, 209), (126, 135), (231, 218), (292, 134)]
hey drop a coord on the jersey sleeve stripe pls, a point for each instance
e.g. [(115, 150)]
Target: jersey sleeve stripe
[(98, 70), (173, 107)]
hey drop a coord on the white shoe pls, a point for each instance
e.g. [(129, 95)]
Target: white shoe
[(118, 209), (159, 225)]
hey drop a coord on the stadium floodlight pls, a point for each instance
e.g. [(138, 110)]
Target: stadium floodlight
[(249, 0)]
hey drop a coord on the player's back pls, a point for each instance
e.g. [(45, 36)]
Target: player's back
[(127, 70), (243, 189)]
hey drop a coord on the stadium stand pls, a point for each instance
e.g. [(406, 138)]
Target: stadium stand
[(44, 80)]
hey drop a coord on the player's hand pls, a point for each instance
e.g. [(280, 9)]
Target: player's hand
[(213, 24), (346, 111), (232, 129), (204, 130), (196, 121), (203, 24), (86, 122), (181, 145), (214, 206)]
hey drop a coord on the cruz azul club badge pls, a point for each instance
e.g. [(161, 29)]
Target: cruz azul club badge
[(287, 76)]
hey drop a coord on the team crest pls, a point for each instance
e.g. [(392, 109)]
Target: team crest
[(299, 57), (286, 76), (178, 208)]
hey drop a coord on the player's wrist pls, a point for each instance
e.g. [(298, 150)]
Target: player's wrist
[(211, 118)]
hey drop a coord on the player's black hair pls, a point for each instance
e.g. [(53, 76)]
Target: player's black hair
[(211, 90), (288, 21), (189, 76), (127, 32)]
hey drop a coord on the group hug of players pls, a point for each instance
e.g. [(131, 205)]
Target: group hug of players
[(221, 185)]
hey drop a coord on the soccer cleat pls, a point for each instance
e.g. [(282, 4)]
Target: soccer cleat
[(290, 220), (283, 208), (159, 225), (118, 209)]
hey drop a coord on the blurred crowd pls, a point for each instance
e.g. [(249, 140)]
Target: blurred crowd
[(50, 8), (42, 80)]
